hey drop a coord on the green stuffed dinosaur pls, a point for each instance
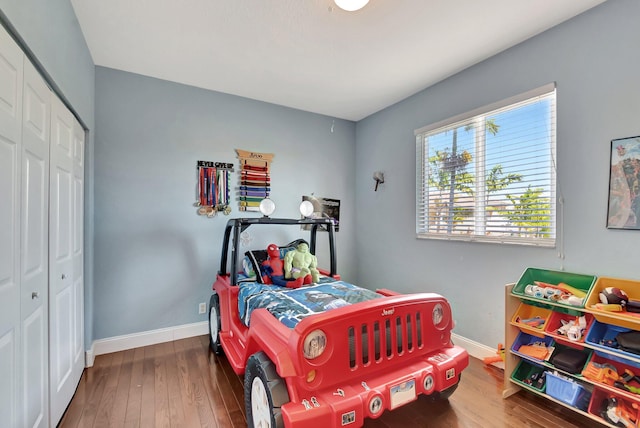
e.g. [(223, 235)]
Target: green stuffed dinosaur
[(301, 265)]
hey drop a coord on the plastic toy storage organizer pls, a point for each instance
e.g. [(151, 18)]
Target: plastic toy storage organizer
[(565, 349)]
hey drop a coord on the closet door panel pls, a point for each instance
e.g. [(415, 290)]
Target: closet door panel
[(34, 335), (35, 246), (11, 71), (78, 248), (62, 310)]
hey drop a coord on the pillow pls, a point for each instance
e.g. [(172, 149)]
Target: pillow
[(247, 267), (252, 262), (253, 259)]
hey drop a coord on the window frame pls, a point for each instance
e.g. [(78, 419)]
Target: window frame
[(422, 168)]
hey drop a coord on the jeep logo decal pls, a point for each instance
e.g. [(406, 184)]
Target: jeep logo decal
[(386, 312)]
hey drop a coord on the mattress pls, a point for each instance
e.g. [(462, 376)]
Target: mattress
[(290, 306)]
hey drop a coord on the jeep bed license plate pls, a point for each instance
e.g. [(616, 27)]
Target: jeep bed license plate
[(403, 393)]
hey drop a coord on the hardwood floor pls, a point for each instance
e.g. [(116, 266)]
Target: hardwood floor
[(182, 384)]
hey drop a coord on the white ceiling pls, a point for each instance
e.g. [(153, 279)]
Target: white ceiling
[(309, 54)]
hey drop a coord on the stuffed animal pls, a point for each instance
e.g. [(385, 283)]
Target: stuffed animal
[(300, 264), (272, 268)]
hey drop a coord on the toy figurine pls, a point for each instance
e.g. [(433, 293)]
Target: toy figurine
[(301, 265), (273, 268)]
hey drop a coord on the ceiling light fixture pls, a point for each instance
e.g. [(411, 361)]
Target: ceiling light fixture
[(351, 5)]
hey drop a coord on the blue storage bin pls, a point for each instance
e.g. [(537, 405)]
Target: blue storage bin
[(528, 339), (568, 391), (600, 332)]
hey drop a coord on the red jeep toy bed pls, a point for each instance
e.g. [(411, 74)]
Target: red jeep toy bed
[(327, 354)]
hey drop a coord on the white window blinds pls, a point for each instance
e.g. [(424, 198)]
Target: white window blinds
[(489, 175)]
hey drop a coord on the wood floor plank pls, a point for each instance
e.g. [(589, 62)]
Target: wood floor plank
[(214, 384), (187, 395), (162, 411), (96, 383), (177, 417), (147, 399), (134, 398), (122, 390), (227, 410), (104, 412), (201, 399), (182, 384)]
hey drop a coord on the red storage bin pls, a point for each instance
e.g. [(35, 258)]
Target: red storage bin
[(558, 319), (607, 406)]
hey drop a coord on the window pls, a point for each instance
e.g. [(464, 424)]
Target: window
[(490, 175)]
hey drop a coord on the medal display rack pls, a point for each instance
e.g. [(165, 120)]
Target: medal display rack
[(255, 179), (214, 190)]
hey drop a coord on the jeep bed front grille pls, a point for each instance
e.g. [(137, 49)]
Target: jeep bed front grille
[(385, 338)]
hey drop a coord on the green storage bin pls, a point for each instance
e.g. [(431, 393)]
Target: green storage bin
[(524, 371), (582, 282)]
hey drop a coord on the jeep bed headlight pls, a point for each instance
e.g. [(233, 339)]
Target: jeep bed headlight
[(437, 315), (314, 344)]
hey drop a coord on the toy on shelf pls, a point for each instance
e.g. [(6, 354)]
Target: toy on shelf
[(537, 350), (535, 322), (573, 329), (619, 413), (536, 379), (497, 358), (601, 372), (562, 293), (614, 299), (607, 374), (624, 380)]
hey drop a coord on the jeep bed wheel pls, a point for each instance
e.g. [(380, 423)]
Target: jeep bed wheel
[(214, 325), (264, 393)]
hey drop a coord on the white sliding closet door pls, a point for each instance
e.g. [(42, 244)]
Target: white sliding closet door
[(34, 264), (41, 246), (65, 251), (11, 66)]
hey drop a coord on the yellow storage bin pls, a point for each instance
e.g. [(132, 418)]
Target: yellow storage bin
[(531, 319), (624, 319)]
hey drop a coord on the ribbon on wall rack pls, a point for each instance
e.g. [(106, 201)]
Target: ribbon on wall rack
[(255, 179), (214, 190)]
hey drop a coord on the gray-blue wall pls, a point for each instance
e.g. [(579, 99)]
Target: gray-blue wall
[(50, 30), (155, 258), (595, 61)]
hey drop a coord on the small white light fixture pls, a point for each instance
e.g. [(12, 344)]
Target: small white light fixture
[(267, 207), (306, 208), (351, 5)]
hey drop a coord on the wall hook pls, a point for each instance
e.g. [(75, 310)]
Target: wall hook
[(378, 176)]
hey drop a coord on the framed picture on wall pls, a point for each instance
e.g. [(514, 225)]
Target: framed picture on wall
[(624, 184)]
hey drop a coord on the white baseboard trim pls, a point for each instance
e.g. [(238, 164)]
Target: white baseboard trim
[(145, 338), (153, 337), (475, 349)]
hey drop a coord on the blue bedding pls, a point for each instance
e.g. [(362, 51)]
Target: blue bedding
[(290, 306)]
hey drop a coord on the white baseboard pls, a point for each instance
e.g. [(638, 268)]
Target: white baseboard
[(475, 349), (146, 338), (153, 337)]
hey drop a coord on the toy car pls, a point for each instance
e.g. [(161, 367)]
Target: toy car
[(330, 353)]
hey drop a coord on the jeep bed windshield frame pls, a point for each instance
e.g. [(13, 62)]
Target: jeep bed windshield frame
[(239, 225)]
